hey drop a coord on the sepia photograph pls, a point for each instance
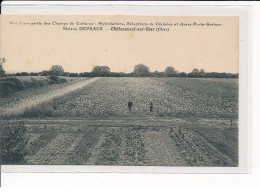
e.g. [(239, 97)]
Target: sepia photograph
[(117, 90)]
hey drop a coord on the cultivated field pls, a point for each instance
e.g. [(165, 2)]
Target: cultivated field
[(88, 122)]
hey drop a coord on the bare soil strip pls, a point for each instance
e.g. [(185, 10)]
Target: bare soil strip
[(20, 107), (123, 148), (96, 150), (161, 150)]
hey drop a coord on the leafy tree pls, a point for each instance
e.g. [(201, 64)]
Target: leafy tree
[(33, 74), (141, 70), (202, 71), (195, 71), (2, 71), (100, 71), (22, 74), (44, 73), (57, 70), (183, 74), (13, 144), (170, 71), (85, 74), (156, 74), (73, 75)]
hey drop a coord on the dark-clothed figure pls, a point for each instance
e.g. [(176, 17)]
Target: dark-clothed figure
[(151, 107), (130, 104)]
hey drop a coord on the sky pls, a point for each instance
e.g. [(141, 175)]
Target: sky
[(34, 48)]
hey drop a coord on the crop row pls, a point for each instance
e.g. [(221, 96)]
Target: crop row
[(197, 151)]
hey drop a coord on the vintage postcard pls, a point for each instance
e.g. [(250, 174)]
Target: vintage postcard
[(119, 90)]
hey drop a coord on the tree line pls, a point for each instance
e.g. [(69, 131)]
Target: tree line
[(140, 70)]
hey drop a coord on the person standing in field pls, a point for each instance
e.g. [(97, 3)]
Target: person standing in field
[(130, 104), (151, 107)]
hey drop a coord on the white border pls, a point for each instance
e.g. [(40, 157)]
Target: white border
[(157, 8)]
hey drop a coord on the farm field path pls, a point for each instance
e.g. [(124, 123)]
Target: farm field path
[(15, 109)]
